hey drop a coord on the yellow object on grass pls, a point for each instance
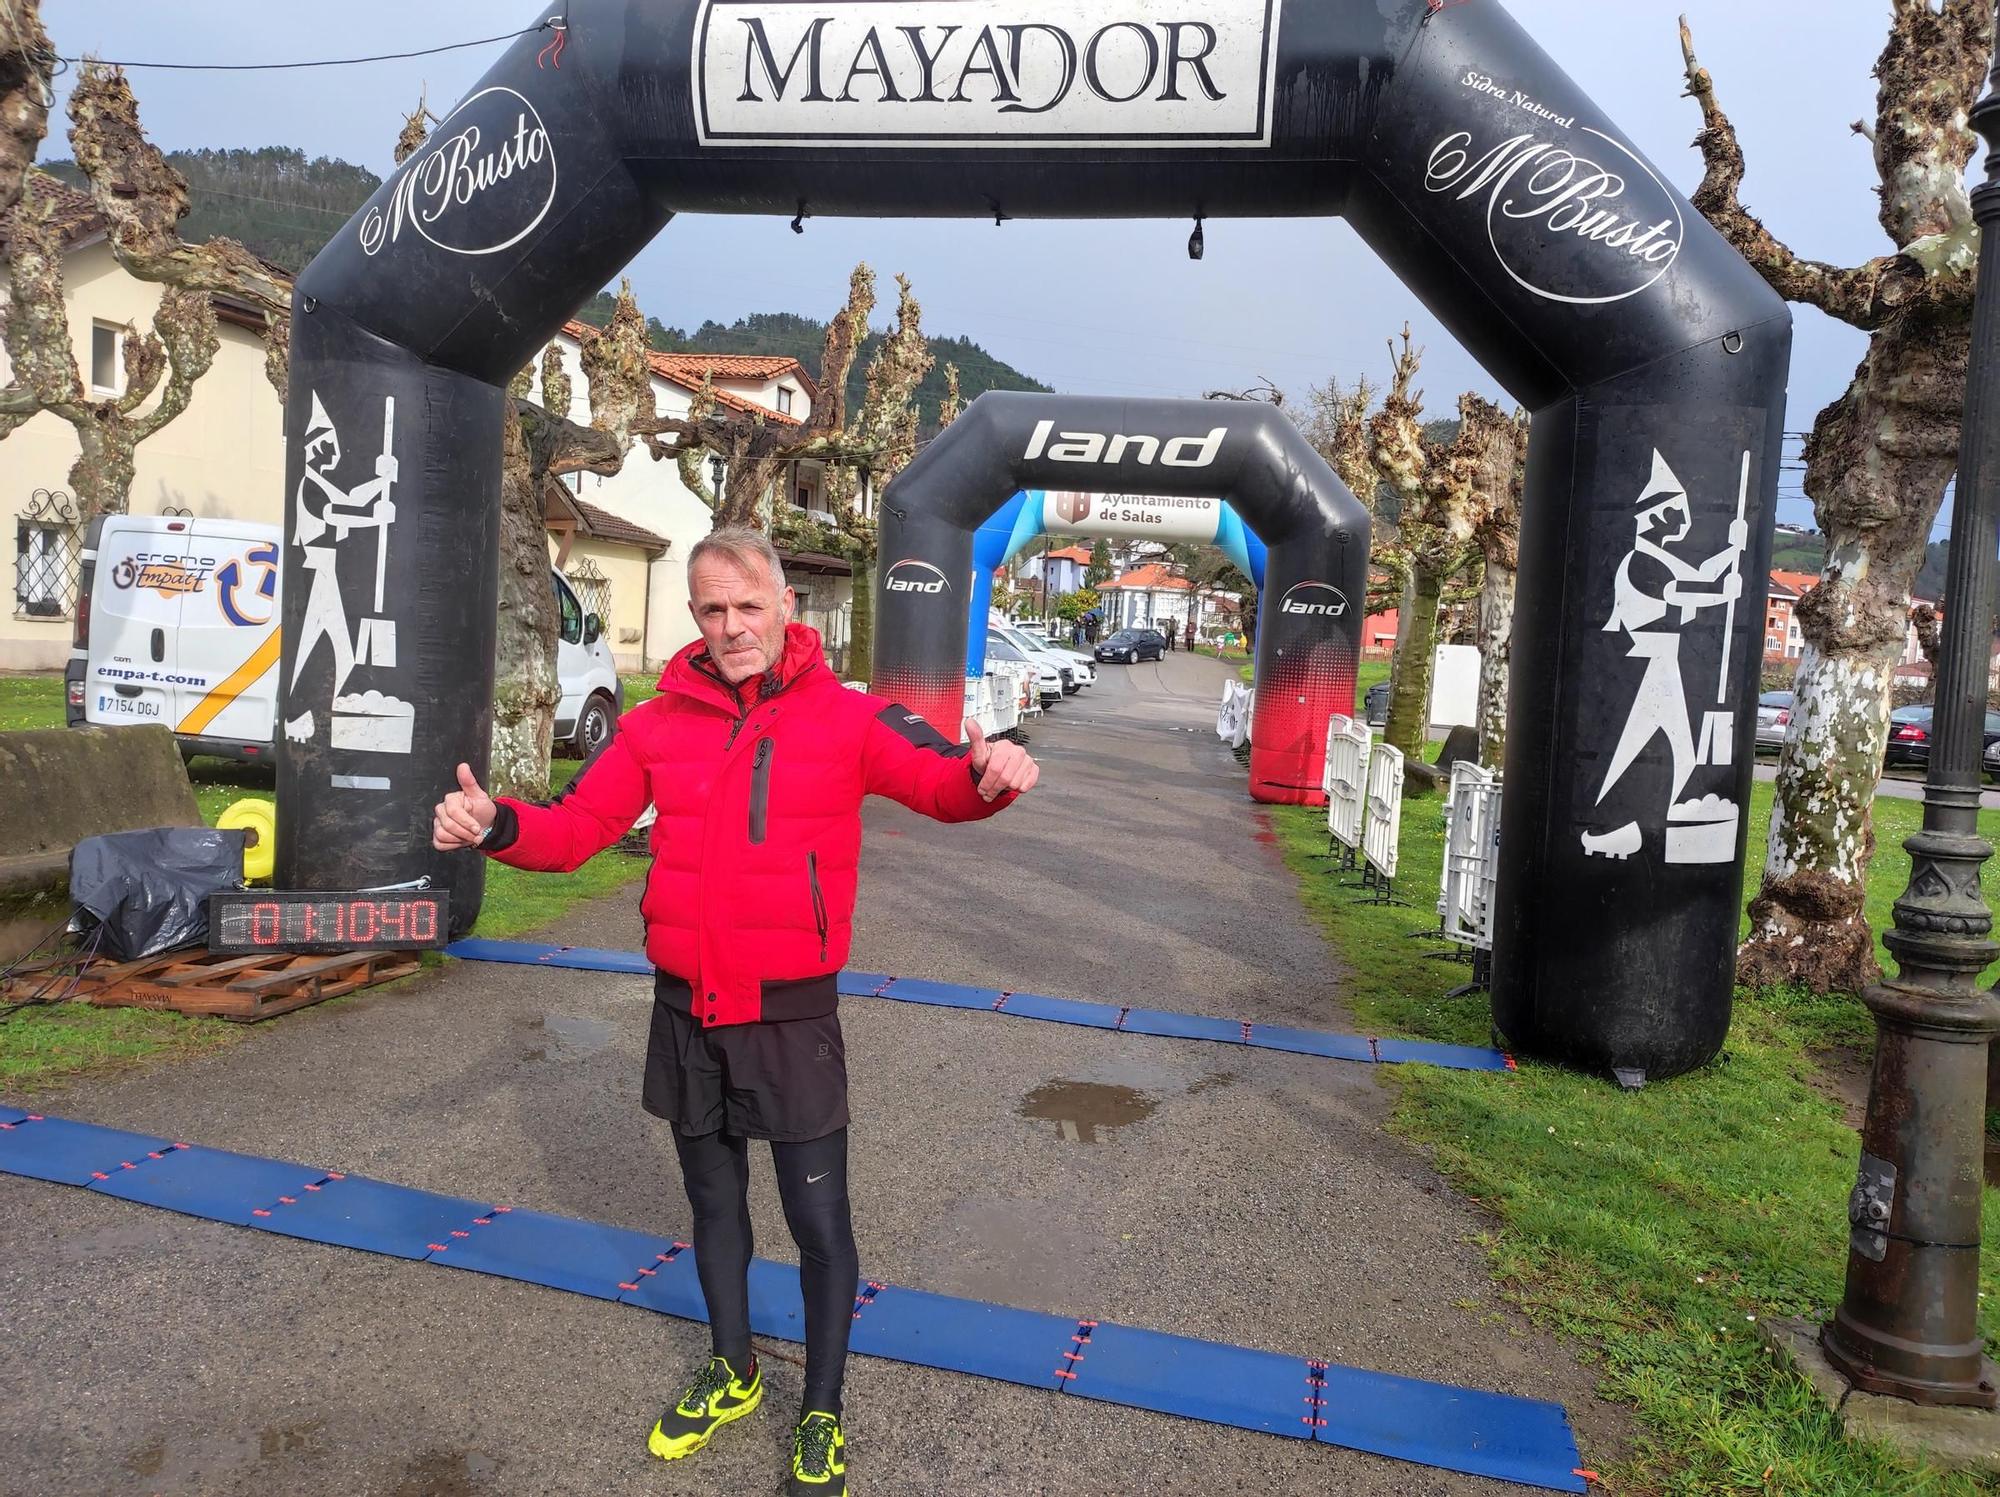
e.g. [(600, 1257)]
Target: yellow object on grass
[(260, 818)]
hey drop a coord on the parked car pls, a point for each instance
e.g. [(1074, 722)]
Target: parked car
[(178, 623), (1077, 668), (1774, 716), (1133, 645), (999, 647), (1910, 738)]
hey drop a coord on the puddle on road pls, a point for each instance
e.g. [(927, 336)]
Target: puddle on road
[(568, 1038), (1082, 1108), (275, 1440), (448, 1473)]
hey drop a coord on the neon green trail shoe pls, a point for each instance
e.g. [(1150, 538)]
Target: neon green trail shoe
[(716, 1397), (819, 1458)]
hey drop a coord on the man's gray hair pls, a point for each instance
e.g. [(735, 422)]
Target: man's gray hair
[(740, 546)]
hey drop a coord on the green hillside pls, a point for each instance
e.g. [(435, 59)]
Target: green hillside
[(1798, 553), (284, 206), (277, 201), (792, 336)]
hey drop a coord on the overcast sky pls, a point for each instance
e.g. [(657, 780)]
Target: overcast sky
[(1097, 307)]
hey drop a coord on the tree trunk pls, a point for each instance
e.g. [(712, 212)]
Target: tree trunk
[(525, 686), (861, 619), (1496, 652), (1410, 679), (1879, 459)]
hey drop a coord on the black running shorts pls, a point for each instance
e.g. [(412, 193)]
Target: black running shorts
[(784, 1080)]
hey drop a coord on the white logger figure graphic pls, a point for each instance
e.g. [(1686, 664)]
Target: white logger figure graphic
[(1703, 829), (326, 516)]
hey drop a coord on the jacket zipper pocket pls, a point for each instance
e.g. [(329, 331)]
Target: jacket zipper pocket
[(760, 789), (819, 900)]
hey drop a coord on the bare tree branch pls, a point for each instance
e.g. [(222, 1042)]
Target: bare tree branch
[(27, 87)]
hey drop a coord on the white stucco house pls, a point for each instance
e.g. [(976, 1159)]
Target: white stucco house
[(620, 541)]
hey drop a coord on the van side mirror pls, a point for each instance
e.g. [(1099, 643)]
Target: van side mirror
[(593, 628)]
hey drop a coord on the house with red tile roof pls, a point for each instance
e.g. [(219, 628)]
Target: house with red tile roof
[(650, 496), (619, 541), (1056, 573), (1150, 596)]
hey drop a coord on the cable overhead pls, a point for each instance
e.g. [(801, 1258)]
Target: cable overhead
[(553, 23)]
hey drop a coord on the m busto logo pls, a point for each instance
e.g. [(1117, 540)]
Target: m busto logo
[(912, 576), (481, 183), (1571, 215)]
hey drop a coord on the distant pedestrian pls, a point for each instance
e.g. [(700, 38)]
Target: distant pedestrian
[(1190, 633)]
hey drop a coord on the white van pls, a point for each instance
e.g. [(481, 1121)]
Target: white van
[(177, 623)]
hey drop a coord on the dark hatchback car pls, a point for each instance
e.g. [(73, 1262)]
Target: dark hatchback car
[(1910, 738), (1132, 645)]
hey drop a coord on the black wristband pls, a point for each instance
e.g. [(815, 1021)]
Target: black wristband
[(506, 828)]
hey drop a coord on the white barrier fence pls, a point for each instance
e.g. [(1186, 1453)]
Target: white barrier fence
[(1382, 820), (1471, 857), (1345, 780), (1232, 722)]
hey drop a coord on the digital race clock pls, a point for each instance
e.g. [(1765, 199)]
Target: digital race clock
[(270, 920)]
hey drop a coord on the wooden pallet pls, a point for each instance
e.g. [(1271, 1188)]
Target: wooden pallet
[(244, 988)]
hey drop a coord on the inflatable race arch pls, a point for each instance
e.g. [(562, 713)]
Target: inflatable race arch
[(1223, 457), (1652, 357)]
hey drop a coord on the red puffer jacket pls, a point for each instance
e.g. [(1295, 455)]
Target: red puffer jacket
[(757, 849)]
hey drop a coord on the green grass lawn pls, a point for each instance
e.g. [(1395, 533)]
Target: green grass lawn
[(30, 702), (40, 1044), (1655, 1226)]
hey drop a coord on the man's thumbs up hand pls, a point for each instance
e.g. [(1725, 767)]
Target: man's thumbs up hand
[(464, 817), (999, 767)]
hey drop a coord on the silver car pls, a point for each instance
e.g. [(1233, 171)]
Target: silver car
[(1774, 716)]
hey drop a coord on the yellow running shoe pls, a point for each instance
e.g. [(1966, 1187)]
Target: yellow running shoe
[(819, 1458), (716, 1397)]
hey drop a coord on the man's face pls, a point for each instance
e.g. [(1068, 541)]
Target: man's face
[(742, 615)]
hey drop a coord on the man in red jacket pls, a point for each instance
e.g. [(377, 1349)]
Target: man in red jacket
[(756, 759)]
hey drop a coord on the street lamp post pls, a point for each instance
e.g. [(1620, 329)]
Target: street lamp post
[(1908, 1324)]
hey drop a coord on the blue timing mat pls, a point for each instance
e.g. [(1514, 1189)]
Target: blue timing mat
[(1145, 1021), (66, 1153), (1433, 1424)]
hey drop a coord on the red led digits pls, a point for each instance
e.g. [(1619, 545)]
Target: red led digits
[(300, 921)]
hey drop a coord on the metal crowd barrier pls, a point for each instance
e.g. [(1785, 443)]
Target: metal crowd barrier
[(1345, 780), (1471, 857), (1382, 821)]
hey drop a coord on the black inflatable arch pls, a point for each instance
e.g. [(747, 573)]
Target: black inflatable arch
[(1652, 357), (1315, 576)]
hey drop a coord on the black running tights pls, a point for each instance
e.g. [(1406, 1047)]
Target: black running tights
[(812, 1181)]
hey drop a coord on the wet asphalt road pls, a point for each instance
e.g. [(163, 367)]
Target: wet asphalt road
[(1244, 1196)]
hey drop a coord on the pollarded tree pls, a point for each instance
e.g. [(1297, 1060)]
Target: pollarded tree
[(878, 442), (540, 445), (1877, 464), (27, 77), (140, 199), (1495, 447), (1435, 525), (754, 449)]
